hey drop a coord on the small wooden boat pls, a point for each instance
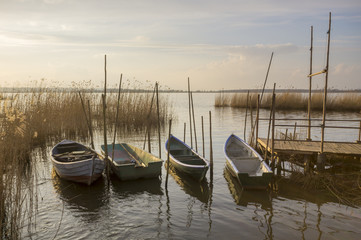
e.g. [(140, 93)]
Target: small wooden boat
[(185, 159), (75, 162), (130, 163), (246, 164)]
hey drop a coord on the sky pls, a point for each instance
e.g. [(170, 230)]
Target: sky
[(216, 44)]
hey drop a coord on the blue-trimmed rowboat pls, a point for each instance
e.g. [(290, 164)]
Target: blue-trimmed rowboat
[(131, 163), (246, 164), (185, 159)]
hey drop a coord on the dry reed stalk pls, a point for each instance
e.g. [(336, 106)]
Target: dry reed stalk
[(295, 101)]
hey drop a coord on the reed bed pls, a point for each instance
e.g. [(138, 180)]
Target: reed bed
[(36, 118), (293, 101)]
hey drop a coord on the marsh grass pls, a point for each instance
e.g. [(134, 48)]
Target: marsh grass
[(294, 101), (34, 119)]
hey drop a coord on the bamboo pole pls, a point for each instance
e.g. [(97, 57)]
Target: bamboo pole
[(90, 126), (265, 81), (194, 124), (168, 150), (117, 115), (326, 82), (148, 128), (210, 146), (245, 117), (310, 89), (190, 113), (203, 136), (251, 115), (159, 141)]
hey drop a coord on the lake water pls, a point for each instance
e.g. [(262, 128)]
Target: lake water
[(144, 209)]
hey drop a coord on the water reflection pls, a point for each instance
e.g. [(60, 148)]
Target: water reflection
[(255, 199), (244, 198), (199, 190), (80, 196), (151, 186)]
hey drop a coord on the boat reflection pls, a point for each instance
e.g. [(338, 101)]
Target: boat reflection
[(199, 190), (124, 188), (80, 196), (243, 197)]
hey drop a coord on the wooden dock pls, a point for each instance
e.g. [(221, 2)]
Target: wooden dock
[(304, 147)]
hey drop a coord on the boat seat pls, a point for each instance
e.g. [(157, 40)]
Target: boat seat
[(193, 161)]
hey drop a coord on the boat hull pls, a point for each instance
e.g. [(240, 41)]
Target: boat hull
[(245, 164), (131, 163), (184, 159), (84, 171)]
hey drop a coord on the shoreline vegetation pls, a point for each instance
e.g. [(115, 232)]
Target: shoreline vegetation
[(32, 119), (293, 101)]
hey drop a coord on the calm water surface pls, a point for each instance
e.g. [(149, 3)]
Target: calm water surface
[(144, 209)]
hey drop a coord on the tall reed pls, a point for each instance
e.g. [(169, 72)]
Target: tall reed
[(295, 101), (36, 118)]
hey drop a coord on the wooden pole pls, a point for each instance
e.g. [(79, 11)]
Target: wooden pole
[(245, 117), (265, 81), (105, 75), (86, 117), (325, 90), (359, 133), (159, 141), (203, 136), (168, 150), (104, 98), (273, 131), (210, 146), (117, 114), (106, 159), (184, 138), (294, 131), (310, 89), (251, 114), (190, 113), (194, 124), (90, 126), (269, 125), (257, 120)]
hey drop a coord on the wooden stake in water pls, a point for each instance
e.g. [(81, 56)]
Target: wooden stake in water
[(159, 142), (257, 121), (273, 130), (210, 146), (265, 81), (90, 125), (106, 159), (184, 138), (190, 113), (117, 114), (325, 90), (245, 117), (269, 125), (310, 89), (194, 124), (168, 150), (86, 117), (204, 154)]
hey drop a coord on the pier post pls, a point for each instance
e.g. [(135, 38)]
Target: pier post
[(321, 159)]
